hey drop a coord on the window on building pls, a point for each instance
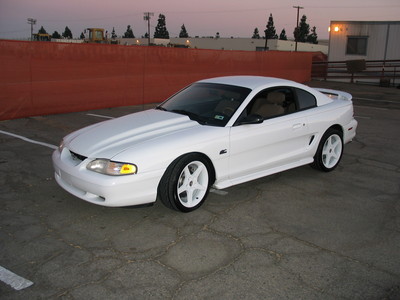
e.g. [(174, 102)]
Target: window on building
[(357, 45)]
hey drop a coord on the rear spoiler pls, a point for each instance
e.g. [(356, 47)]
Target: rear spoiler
[(334, 94)]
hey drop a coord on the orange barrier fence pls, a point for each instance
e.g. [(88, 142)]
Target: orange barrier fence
[(39, 78)]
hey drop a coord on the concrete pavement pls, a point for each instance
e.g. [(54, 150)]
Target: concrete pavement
[(300, 234)]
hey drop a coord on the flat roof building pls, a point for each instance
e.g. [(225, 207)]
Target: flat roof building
[(241, 44), (369, 40)]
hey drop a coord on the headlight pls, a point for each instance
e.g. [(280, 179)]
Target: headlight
[(108, 167)]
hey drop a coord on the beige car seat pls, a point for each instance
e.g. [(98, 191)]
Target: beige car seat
[(270, 106)]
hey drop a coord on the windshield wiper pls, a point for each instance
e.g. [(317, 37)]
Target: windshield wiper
[(192, 116), (161, 108)]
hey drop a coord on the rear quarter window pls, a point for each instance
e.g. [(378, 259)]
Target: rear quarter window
[(305, 99)]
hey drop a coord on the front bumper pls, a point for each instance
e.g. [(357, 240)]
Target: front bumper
[(105, 190)]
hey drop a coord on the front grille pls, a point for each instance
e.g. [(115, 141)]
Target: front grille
[(77, 156)]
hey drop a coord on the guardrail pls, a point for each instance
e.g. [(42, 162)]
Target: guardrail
[(382, 72)]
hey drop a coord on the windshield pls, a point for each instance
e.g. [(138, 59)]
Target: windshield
[(207, 103)]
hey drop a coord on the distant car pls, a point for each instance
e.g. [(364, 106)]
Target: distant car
[(214, 133)]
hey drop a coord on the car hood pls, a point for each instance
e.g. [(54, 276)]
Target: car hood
[(107, 139)]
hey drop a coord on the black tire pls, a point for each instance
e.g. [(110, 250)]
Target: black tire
[(186, 183), (329, 152)]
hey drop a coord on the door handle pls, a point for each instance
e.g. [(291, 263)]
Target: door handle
[(298, 125)]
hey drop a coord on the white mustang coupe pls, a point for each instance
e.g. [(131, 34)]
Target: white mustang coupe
[(214, 133)]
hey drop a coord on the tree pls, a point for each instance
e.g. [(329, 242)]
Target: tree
[(161, 31), (217, 36), (42, 30), (256, 34), (56, 35), (313, 37), (270, 32), (283, 36), (300, 33), (183, 33), (129, 33), (82, 37), (67, 33), (113, 34)]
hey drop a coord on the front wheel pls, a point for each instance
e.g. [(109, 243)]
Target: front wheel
[(186, 183), (329, 151)]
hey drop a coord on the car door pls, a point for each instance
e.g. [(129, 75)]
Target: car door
[(280, 140)]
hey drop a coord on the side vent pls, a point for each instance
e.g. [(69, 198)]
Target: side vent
[(311, 140)]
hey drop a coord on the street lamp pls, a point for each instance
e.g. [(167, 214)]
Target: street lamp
[(146, 17), (32, 22)]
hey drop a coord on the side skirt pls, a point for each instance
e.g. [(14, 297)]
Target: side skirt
[(234, 181)]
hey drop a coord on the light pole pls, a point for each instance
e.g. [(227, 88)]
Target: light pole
[(297, 25), (147, 17), (32, 22)]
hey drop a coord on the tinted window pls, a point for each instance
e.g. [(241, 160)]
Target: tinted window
[(208, 103), (271, 103), (305, 99)]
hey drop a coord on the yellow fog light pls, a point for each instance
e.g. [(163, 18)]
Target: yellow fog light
[(128, 169)]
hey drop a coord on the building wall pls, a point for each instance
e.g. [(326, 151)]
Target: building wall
[(71, 41), (241, 44), (280, 45), (383, 40), (221, 43), (393, 49)]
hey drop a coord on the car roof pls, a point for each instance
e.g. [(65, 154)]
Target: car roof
[(257, 83), (251, 82)]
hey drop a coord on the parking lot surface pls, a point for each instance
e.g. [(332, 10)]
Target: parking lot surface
[(299, 234)]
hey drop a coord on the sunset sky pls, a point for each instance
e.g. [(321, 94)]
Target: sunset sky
[(235, 18)]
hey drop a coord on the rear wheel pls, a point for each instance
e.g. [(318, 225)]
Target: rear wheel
[(186, 183), (329, 151)]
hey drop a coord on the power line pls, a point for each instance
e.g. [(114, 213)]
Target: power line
[(217, 12), (91, 19), (14, 31)]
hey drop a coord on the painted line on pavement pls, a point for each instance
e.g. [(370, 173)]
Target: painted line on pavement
[(375, 100), (371, 107), (219, 192), (362, 117), (100, 116), (16, 282), (28, 140)]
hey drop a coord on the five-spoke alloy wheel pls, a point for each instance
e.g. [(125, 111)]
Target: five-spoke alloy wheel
[(186, 183), (329, 151)]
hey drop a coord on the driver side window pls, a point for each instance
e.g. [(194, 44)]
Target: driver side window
[(273, 103)]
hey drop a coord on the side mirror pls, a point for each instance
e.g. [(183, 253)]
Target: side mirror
[(251, 119)]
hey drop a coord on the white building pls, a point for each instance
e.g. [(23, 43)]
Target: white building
[(241, 44), (351, 40), (370, 50)]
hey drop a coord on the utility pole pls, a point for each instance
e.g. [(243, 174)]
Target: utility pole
[(147, 17), (31, 22), (297, 25), (266, 41)]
